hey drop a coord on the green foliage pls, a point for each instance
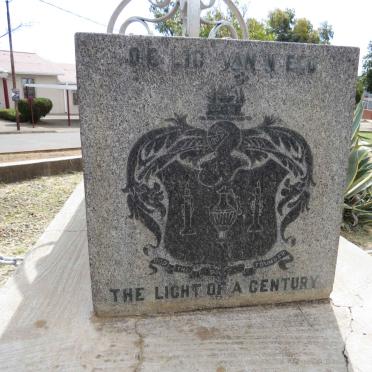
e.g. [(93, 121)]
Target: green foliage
[(40, 107), (258, 31), (25, 112), (216, 14), (326, 33), (169, 27), (303, 32), (368, 81), (359, 89), (173, 26), (285, 27), (367, 59), (281, 25), (8, 114), (367, 69), (358, 194), (45, 105)]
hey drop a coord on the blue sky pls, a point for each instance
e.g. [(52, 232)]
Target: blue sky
[(50, 32)]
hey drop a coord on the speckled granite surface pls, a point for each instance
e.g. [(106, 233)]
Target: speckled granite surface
[(214, 169)]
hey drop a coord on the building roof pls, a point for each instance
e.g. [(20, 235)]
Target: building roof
[(30, 63), (69, 73)]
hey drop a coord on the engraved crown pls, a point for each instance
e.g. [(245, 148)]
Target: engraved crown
[(224, 103)]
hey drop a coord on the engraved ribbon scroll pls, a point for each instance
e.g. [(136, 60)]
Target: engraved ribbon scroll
[(282, 258)]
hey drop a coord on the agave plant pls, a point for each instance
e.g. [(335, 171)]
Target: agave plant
[(358, 194)]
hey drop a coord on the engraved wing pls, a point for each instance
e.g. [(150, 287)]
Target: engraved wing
[(290, 150), (150, 155)]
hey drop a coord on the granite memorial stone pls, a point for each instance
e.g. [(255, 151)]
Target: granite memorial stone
[(214, 169)]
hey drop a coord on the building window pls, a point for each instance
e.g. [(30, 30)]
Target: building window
[(28, 92), (75, 100)]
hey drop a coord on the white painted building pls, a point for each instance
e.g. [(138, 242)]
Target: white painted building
[(367, 106), (32, 69)]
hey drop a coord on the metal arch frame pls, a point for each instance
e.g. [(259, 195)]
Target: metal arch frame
[(190, 11)]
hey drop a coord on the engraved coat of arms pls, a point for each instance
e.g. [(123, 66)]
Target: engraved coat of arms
[(220, 197)]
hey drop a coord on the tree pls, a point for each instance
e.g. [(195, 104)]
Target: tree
[(326, 33), (367, 59), (258, 31), (281, 25), (285, 27), (367, 68), (368, 81), (303, 32), (173, 26), (217, 14)]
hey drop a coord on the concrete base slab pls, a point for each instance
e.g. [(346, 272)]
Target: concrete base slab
[(23, 170), (46, 320)]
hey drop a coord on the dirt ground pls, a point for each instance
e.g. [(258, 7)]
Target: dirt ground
[(26, 209), (361, 237), (37, 155)]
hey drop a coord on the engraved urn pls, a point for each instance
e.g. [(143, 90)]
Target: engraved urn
[(223, 215)]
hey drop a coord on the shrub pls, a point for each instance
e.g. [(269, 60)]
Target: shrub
[(45, 105), (8, 114), (358, 194), (40, 108), (24, 110)]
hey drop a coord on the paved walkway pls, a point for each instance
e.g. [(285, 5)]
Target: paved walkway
[(366, 126), (46, 125), (39, 141), (51, 133)]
